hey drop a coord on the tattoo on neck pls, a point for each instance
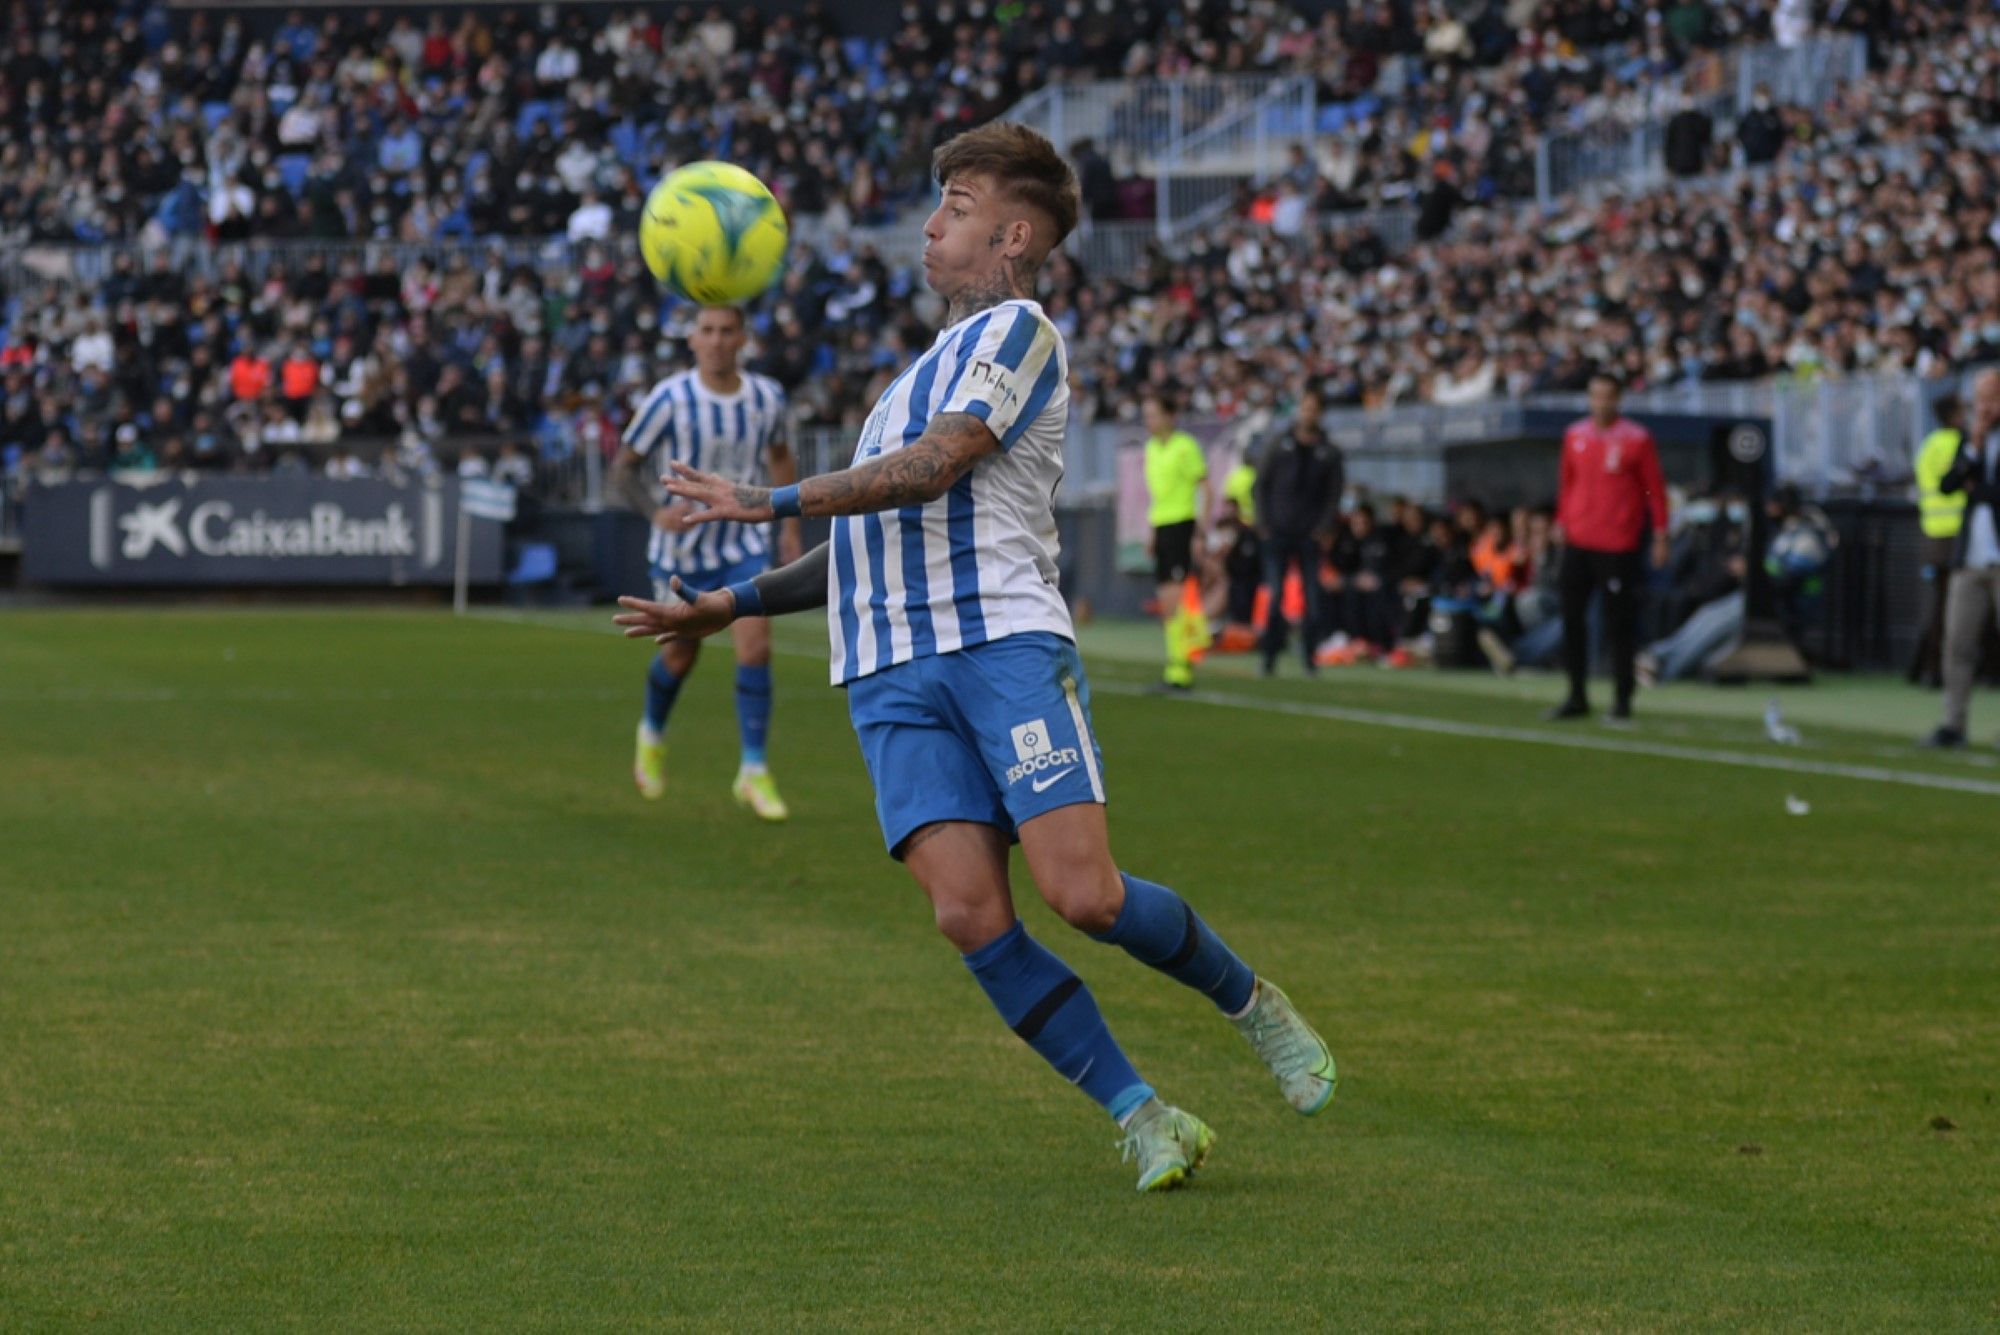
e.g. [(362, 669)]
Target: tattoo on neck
[(1010, 279)]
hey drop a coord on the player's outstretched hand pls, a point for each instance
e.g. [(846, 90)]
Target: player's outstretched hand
[(724, 499), (692, 619)]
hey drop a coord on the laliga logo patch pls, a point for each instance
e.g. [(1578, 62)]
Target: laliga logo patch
[(1037, 755)]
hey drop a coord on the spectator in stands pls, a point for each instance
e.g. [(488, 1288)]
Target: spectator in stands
[(1690, 132), (1761, 132)]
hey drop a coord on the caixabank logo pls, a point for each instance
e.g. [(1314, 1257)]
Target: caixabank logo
[(135, 526)]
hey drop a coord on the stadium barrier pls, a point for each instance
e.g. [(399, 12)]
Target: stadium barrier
[(1632, 154), (35, 267), (190, 529), (1198, 138)]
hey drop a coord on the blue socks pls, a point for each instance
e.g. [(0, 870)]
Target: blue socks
[(753, 705), (753, 710), (1156, 927), (1054, 1013), (661, 688)]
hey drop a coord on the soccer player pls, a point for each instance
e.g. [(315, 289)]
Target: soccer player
[(1178, 498), (729, 423), (962, 675)]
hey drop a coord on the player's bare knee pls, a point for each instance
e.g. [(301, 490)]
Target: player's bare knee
[(680, 655), (753, 642), (967, 924), (1085, 898)]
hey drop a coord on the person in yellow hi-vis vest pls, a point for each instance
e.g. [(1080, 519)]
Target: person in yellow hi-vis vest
[(1240, 485), (1941, 515), (1177, 485)]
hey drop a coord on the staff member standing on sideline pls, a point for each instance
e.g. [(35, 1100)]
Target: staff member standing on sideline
[(1177, 484), (1299, 484), (1941, 515), (1974, 592), (1610, 490)]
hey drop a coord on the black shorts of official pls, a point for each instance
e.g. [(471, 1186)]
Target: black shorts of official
[(1173, 552)]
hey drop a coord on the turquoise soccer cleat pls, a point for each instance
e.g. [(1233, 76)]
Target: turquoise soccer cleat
[(1168, 1143), (758, 791), (649, 768), (1297, 1056)]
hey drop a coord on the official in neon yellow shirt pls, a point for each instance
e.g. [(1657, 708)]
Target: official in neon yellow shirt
[(1941, 514), (1177, 485)]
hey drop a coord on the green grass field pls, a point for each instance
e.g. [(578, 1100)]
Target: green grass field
[(345, 984)]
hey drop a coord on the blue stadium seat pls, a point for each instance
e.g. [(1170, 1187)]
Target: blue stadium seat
[(293, 168), (534, 564), (629, 142), (533, 114), (1285, 120), (214, 113)]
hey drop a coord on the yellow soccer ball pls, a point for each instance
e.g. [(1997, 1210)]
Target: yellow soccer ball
[(713, 233)]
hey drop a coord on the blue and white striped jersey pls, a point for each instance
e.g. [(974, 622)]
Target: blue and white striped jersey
[(719, 433), (979, 562)]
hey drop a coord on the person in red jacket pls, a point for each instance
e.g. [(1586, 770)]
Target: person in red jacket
[(1611, 492)]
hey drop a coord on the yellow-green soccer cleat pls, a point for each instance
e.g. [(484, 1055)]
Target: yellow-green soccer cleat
[(1168, 1143), (755, 789), (1296, 1055), (649, 767)]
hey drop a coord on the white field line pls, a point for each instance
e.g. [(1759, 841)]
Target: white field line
[(1579, 741), (1570, 740)]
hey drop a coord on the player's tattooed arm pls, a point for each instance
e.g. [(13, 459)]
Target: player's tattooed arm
[(629, 486), (914, 475)]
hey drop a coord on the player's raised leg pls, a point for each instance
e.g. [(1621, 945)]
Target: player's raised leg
[(663, 686), (962, 867), (1069, 854), (754, 787)]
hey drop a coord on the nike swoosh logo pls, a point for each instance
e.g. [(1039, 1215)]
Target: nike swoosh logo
[(1047, 780)]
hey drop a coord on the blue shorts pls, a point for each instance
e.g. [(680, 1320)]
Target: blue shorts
[(996, 734), (708, 580)]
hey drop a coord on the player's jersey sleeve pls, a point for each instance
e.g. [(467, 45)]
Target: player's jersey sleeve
[(653, 424), (1008, 372)]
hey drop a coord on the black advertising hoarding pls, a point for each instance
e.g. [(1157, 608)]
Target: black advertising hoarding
[(190, 529)]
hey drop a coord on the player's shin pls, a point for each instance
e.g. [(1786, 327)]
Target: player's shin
[(753, 711), (1158, 928), (1045, 1003), (662, 688)]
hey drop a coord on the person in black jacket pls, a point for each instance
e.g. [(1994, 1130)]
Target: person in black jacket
[(1299, 484), (1973, 596), (1689, 134), (1761, 131)]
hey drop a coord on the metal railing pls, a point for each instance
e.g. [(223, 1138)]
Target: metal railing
[(1198, 138), (1633, 152), (1122, 248), (35, 266)]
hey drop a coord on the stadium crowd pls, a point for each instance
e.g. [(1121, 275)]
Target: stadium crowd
[(1829, 264), (119, 123)]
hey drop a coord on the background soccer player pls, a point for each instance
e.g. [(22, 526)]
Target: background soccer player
[(1178, 492), (963, 680), (718, 418)]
